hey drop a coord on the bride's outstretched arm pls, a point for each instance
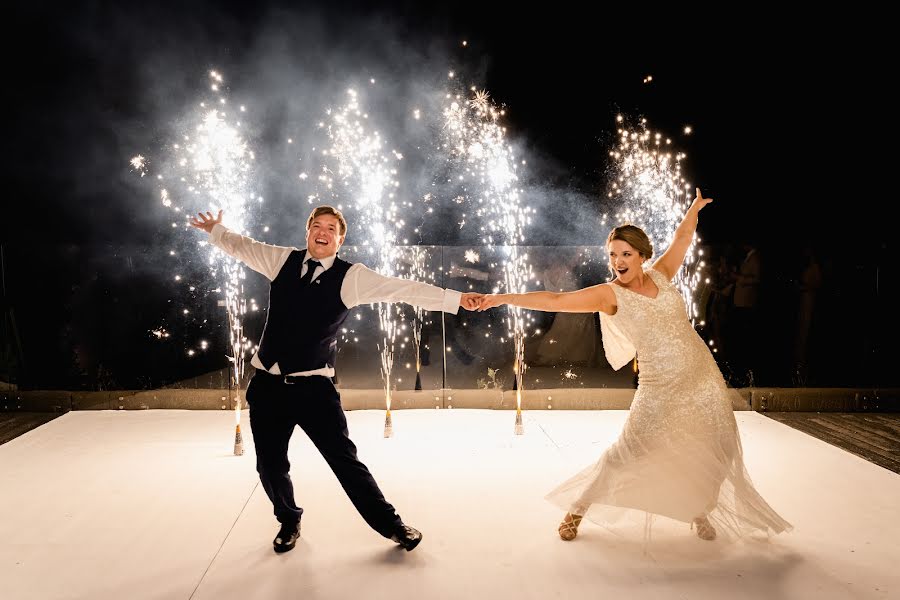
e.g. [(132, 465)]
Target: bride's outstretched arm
[(592, 299), (669, 263)]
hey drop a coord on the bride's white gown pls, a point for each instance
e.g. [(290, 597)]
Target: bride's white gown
[(679, 454)]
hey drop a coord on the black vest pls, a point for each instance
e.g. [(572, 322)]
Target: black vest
[(303, 320)]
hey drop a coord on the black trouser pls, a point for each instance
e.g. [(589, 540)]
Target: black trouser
[(315, 405)]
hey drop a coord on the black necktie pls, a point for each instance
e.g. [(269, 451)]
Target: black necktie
[(311, 265)]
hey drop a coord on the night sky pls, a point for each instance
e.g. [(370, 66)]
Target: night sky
[(784, 111)]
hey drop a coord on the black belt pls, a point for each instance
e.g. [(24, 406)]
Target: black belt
[(288, 379)]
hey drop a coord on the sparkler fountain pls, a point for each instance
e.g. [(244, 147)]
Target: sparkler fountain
[(476, 139), (210, 168), (370, 176), (651, 192), (418, 270)]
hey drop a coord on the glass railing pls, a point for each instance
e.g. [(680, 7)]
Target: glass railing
[(116, 319)]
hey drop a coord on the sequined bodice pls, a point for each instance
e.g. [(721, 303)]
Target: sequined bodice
[(669, 351)]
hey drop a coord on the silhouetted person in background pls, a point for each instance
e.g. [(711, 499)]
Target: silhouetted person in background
[(744, 330)]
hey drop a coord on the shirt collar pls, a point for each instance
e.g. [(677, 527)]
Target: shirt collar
[(325, 262)]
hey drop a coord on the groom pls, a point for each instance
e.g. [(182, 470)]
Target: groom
[(311, 293)]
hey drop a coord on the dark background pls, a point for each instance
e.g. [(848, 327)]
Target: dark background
[(790, 118)]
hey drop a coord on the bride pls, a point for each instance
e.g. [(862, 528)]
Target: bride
[(679, 454)]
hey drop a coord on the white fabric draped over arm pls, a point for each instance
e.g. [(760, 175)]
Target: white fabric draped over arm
[(618, 348)]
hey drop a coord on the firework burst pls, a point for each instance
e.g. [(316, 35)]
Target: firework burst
[(139, 164), (649, 190)]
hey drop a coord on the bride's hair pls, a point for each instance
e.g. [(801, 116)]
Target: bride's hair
[(634, 236)]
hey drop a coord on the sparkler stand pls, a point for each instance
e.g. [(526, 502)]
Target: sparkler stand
[(388, 425), (520, 429), (238, 441), (234, 383)]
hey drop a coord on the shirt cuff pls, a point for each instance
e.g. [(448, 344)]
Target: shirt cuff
[(217, 232), (451, 301)]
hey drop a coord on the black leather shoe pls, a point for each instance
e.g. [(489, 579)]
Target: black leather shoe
[(287, 537), (407, 536)]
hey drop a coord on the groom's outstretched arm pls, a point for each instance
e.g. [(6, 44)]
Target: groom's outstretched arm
[(262, 258), (362, 285)]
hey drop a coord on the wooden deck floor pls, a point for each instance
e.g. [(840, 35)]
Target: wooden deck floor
[(14, 424), (872, 436)]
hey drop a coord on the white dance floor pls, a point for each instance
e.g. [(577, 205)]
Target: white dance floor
[(153, 504)]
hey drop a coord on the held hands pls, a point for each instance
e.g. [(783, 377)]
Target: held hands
[(206, 222), (491, 301), (470, 301), (481, 302)]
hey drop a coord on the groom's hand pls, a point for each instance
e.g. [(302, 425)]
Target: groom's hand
[(206, 222), (470, 301)]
